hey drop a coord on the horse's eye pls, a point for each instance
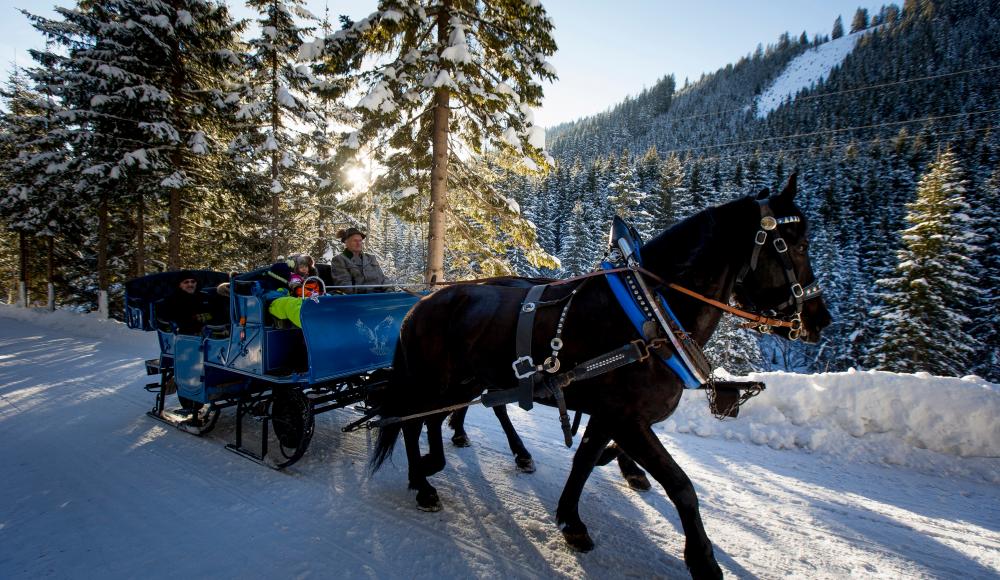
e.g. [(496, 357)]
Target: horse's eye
[(803, 248)]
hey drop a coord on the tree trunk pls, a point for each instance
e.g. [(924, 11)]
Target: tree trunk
[(50, 247), (23, 277), (140, 237), (174, 236), (275, 160), (439, 169), (174, 219), (103, 279)]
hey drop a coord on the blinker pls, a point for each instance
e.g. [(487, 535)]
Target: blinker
[(768, 222)]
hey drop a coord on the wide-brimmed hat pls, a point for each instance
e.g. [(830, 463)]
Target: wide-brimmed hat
[(345, 234)]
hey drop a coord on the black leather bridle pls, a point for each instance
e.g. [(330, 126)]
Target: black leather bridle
[(799, 294)]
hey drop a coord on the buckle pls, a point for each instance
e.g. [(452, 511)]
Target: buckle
[(780, 245), (524, 367), (797, 290), (761, 238)]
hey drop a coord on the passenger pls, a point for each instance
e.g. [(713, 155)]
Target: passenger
[(298, 283), (354, 267), (288, 307), (187, 308)]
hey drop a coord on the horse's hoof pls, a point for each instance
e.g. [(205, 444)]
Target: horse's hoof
[(428, 501), (706, 571), (525, 464), (578, 538), (638, 482), (460, 440), (703, 566)]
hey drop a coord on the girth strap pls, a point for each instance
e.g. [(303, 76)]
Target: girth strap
[(524, 366)]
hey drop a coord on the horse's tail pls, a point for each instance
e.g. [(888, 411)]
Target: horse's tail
[(389, 404), (386, 442)]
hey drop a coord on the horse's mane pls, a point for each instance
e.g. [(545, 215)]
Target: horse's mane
[(666, 253)]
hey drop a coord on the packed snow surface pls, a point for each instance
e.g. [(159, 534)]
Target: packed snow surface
[(805, 70), (857, 474)]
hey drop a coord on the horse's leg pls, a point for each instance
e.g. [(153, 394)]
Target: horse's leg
[(427, 497), (567, 514), (522, 458), (434, 461), (643, 446), (633, 474), (457, 422)]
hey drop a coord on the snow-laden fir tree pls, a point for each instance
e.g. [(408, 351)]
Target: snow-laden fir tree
[(985, 325), (443, 82), (276, 118), (35, 197), (626, 198), (668, 186), (924, 308), (144, 88), (734, 347)]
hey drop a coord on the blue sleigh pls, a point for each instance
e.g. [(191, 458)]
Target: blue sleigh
[(275, 374)]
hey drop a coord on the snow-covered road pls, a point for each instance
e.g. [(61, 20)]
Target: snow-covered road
[(93, 487)]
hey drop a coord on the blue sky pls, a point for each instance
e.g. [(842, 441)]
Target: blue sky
[(608, 49)]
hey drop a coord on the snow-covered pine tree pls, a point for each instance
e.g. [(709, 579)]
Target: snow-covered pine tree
[(860, 20), (444, 81), (838, 28), (985, 325), (155, 78), (669, 183), (924, 307), (35, 200), (331, 181), (734, 348), (273, 111), (626, 198)]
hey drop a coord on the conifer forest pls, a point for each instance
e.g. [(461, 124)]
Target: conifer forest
[(155, 135)]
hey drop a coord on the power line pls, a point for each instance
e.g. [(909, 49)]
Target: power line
[(829, 131), (832, 146)]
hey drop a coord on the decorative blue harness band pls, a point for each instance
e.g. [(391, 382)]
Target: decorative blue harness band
[(638, 319)]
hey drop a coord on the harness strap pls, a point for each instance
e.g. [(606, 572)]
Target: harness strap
[(758, 318), (524, 366)]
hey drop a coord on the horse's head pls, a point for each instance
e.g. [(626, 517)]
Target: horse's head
[(778, 279)]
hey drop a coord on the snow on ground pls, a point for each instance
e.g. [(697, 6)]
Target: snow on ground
[(805, 70), (823, 476)]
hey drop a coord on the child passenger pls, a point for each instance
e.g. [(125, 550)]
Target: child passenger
[(305, 267)]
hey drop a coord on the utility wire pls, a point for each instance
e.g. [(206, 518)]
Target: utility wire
[(832, 146), (830, 131)]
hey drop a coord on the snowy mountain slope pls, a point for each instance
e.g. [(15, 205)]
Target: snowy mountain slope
[(93, 486), (805, 70)]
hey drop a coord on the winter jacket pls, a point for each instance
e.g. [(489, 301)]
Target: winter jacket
[(191, 312), (349, 269)]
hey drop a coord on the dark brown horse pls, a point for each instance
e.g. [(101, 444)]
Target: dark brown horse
[(460, 340)]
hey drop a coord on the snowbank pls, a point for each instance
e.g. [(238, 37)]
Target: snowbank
[(89, 325), (938, 424)]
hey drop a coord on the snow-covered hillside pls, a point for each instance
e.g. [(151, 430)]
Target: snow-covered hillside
[(806, 70), (822, 476)]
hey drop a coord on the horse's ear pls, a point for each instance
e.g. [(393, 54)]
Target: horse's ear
[(791, 188), (764, 193)]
